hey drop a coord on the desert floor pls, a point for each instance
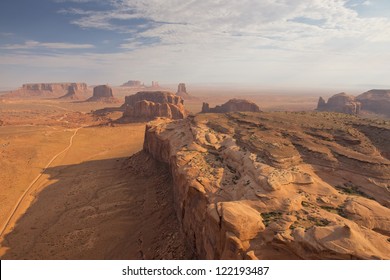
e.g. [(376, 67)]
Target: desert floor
[(73, 187)]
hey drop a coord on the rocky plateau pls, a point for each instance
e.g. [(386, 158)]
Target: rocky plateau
[(279, 185)]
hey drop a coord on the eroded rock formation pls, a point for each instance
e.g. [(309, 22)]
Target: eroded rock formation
[(147, 105), (102, 93), (341, 103), (376, 101), (279, 185), (233, 105)]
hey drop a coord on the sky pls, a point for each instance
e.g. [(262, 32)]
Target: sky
[(267, 43)]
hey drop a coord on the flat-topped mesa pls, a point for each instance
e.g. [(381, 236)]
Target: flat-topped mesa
[(340, 103), (148, 105), (376, 101), (233, 105), (102, 93), (54, 86), (133, 83)]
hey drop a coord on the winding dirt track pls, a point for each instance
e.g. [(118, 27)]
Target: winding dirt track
[(11, 215)]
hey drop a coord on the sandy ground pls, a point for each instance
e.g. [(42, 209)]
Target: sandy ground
[(100, 199)]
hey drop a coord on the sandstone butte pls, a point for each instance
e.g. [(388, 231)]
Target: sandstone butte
[(102, 93), (182, 92), (341, 103), (232, 105), (147, 105), (279, 185)]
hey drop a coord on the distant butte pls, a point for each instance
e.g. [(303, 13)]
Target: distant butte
[(340, 103), (148, 105), (182, 92), (376, 101), (233, 105), (102, 93)]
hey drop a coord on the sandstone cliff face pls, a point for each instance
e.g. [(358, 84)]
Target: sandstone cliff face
[(147, 105), (279, 185), (341, 103), (376, 101), (233, 105), (102, 93)]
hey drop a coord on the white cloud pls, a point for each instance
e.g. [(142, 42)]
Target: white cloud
[(305, 42), (34, 44)]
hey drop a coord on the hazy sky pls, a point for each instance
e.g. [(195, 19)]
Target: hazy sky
[(270, 43)]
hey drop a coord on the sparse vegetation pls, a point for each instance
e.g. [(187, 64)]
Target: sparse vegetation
[(351, 189), (270, 217)]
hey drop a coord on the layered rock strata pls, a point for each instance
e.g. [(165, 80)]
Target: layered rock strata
[(279, 185)]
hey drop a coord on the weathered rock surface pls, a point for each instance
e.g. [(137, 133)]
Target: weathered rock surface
[(279, 185), (233, 105), (341, 103), (102, 93), (46, 90), (147, 105), (376, 101)]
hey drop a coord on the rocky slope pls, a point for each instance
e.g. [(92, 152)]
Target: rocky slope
[(341, 103), (279, 185), (376, 101), (233, 105), (147, 105)]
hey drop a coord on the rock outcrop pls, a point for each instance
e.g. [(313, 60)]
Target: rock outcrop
[(233, 105), (278, 185), (376, 101), (134, 84), (102, 93), (341, 103), (147, 105)]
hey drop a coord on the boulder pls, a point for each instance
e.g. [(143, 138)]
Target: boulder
[(233, 105), (341, 103)]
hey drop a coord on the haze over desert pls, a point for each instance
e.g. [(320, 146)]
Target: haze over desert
[(195, 130)]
